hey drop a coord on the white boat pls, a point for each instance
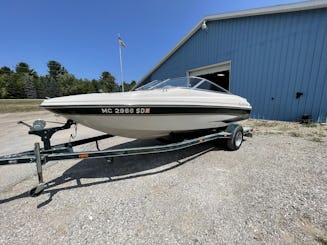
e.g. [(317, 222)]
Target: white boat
[(156, 109)]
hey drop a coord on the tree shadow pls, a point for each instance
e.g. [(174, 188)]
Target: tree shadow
[(120, 169)]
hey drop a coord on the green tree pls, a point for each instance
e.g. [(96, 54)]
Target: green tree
[(67, 83), (129, 86), (41, 87), (95, 86), (107, 82), (54, 69), (22, 68), (5, 70), (3, 85), (15, 86), (82, 87), (29, 87), (28, 75), (53, 87), (24, 82), (52, 80)]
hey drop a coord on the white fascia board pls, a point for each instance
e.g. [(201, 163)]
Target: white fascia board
[(222, 66), (284, 8)]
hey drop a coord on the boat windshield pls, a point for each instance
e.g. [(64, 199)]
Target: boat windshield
[(185, 82), (149, 85)]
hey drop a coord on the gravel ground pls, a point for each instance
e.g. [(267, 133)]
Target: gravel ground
[(273, 190), (15, 138)]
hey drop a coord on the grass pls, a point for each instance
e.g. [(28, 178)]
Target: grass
[(314, 131), (19, 105), (310, 125), (266, 123), (295, 134)]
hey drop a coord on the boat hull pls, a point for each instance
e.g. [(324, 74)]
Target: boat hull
[(152, 122), (151, 114)]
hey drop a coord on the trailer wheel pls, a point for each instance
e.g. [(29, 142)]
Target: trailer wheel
[(236, 139)]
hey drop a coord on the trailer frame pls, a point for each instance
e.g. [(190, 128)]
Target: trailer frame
[(233, 134)]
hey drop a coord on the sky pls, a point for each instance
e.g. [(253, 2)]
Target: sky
[(82, 34)]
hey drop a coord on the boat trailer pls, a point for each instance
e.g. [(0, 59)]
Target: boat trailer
[(233, 134)]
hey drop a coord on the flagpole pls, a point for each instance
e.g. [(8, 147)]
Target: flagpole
[(121, 67)]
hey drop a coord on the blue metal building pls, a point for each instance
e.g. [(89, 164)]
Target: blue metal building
[(276, 57)]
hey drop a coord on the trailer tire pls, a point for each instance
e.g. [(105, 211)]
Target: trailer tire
[(236, 138)]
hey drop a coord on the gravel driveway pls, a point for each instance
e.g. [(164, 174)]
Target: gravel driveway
[(273, 190)]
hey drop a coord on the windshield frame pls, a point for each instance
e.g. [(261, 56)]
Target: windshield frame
[(212, 83), (159, 85), (147, 87), (194, 87)]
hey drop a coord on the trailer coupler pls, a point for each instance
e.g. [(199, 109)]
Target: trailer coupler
[(46, 133)]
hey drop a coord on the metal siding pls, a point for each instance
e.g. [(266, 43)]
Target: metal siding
[(298, 73), (320, 107), (295, 41), (268, 97), (272, 57), (308, 46), (281, 69), (261, 58), (315, 83)]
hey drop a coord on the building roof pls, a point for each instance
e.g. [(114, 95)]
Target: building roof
[(300, 6)]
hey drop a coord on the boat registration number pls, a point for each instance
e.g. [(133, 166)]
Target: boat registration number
[(125, 110)]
